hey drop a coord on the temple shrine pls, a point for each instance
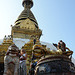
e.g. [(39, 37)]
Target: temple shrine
[(52, 59)]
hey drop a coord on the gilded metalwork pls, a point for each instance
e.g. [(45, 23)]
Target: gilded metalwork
[(4, 47)]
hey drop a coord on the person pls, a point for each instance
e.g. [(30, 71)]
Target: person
[(22, 66), (11, 61), (33, 65)]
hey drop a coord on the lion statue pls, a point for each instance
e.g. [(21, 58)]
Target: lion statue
[(11, 61)]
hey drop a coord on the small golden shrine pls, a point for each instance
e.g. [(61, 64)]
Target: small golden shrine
[(7, 41)]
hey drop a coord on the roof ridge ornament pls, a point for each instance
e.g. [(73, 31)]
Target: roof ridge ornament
[(27, 3)]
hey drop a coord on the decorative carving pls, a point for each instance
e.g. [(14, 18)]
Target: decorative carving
[(55, 65)]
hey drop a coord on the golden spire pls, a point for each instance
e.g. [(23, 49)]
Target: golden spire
[(26, 13), (26, 24)]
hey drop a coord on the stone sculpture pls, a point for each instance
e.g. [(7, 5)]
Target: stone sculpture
[(11, 61)]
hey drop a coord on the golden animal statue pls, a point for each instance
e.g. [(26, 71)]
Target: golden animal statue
[(38, 51)]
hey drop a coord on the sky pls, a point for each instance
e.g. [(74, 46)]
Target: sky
[(56, 19)]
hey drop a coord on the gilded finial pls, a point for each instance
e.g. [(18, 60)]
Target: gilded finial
[(27, 3)]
